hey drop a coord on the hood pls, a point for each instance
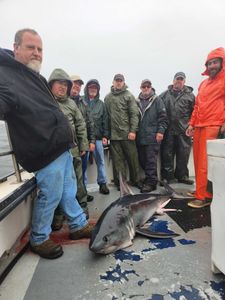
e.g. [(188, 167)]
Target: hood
[(7, 59), (218, 52), (141, 97), (59, 74), (91, 81), (6, 56)]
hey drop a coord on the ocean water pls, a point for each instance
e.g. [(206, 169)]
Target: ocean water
[(6, 165)]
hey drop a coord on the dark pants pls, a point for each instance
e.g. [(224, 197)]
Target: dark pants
[(176, 146), (122, 152), (81, 188), (148, 155)]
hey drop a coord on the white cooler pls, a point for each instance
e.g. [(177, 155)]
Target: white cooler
[(216, 174)]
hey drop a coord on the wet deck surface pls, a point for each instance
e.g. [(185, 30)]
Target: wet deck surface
[(156, 269)]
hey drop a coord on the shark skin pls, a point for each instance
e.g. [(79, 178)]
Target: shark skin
[(117, 226)]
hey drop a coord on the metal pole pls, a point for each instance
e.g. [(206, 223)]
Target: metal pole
[(15, 164)]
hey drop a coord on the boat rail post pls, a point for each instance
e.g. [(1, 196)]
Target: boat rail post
[(15, 163)]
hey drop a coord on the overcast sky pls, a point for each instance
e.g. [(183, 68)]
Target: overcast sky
[(139, 38)]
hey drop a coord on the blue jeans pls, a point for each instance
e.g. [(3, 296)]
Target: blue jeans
[(84, 167), (99, 159), (57, 186)]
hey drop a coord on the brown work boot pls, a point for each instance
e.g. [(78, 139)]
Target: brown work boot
[(47, 249), (57, 222), (84, 233)]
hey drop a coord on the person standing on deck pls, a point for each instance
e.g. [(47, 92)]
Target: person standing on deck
[(41, 138), (123, 115), (179, 102), (152, 125), (84, 108), (208, 118), (60, 85), (100, 118)]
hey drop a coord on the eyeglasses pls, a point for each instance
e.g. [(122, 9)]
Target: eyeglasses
[(146, 87)]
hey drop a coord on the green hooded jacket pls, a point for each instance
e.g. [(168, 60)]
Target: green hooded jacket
[(97, 112), (122, 112), (70, 109)]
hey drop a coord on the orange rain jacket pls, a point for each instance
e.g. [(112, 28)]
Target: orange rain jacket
[(209, 109)]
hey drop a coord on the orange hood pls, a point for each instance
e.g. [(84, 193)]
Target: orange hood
[(218, 52)]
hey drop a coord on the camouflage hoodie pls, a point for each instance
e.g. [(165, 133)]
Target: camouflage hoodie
[(70, 109)]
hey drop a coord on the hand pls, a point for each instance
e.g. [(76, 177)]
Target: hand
[(91, 147), (82, 153), (159, 137), (131, 136), (104, 141), (222, 129), (190, 131)]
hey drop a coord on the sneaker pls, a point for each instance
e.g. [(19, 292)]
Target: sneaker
[(57, 222), (147, 188), (191, 193), (186, 180), (199, 203), (90, 198), (84, 233), (103, 189), (48, 249)]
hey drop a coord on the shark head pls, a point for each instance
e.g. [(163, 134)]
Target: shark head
[(113, 231), (116, 227)]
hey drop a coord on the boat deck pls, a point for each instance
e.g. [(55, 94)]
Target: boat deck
[(156, 269)]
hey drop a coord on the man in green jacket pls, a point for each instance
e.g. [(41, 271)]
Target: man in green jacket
[(123, 124), (100, 118), (60, 85), (84, 109)]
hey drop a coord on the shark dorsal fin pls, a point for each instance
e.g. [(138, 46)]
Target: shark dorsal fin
[(124, 187)]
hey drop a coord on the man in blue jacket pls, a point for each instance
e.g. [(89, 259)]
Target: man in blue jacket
[(41, 138)]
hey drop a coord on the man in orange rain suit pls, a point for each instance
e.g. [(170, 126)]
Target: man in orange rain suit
[(207, 119)]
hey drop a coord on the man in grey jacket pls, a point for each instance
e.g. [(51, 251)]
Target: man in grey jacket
[(179, 102), (123, 114), (152, 125)]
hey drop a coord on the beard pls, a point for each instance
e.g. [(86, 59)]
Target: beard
[(34, 65), (214, 72)]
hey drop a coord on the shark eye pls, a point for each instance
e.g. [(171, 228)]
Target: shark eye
[(105, 238)]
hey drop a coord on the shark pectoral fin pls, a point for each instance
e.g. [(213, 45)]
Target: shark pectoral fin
[(155, 234)]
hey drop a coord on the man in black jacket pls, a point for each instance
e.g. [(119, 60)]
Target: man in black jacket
[(179, 101), (41, 138), (152, 125)]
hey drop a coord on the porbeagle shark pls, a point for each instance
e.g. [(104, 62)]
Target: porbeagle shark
[(120, 221)]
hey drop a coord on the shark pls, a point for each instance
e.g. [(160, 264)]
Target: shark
[(126, 216)]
